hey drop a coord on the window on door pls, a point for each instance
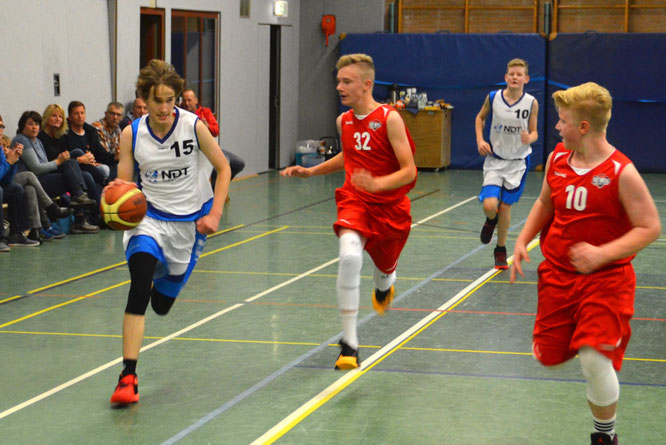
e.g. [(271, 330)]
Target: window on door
[(194, 49)]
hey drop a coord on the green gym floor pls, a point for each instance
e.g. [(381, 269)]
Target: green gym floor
[(246, 354)]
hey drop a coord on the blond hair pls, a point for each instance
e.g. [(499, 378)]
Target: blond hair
[(48, 111), (517, 62), (364, 61), (5, 141), (589, 102)]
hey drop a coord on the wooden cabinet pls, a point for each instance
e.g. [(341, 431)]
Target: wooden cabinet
[(431, 131)]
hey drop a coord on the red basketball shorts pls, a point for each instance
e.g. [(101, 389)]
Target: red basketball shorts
[(576, 310), (385, 226)]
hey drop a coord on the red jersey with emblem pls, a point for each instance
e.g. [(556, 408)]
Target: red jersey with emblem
[(366, 145), (587, 207)]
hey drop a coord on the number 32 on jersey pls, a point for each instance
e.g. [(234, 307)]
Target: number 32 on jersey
[(362, 141)]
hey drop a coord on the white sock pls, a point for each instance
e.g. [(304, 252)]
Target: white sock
[(383, 281), (348, 284), (606, 426)]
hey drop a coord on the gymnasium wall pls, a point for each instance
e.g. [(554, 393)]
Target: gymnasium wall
[(459, 68), (632, 67), (316, 77), (492, 16), (463, 68)]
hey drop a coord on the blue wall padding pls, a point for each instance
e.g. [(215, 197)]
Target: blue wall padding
[(459, 68), (633, 68)]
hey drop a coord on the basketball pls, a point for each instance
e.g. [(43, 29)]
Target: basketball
[(123, 206)]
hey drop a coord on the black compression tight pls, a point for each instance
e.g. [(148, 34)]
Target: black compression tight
[(142, 267)]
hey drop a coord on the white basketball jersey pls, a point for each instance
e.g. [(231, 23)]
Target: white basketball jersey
[(173, 172), (508, 121)]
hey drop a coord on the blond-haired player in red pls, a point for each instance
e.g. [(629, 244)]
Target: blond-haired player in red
[(594, 213), (373, 208)]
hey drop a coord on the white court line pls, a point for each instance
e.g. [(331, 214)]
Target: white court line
[(310, 406), (107, 365)]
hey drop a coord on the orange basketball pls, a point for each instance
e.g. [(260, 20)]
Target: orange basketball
[(123, 206)]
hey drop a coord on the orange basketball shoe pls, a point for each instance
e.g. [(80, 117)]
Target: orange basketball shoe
[(381, 300), (348, 358), (127, 390)]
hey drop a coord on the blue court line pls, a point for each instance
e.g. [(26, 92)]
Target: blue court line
[(248, 392), (487, 376)]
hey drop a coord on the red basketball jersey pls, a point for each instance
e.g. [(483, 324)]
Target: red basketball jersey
[(587, 207), (366, 145)]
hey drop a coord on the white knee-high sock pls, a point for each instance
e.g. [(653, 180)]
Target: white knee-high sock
[(383, 281), (348, 284)]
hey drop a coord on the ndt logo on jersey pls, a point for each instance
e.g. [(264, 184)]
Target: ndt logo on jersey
[(601, 180), (173, 175), (506, 129), (375, 125)]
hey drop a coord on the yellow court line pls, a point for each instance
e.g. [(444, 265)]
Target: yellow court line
[(10, 298), (322, 275), (294, 343), (34, 314), (244, 241), (115, 285), (336, 387), (68, 280), (87, 274), (409, 348)]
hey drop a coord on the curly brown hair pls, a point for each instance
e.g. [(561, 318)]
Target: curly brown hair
[(158, 72)]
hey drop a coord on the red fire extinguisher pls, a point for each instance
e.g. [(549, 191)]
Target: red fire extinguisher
[(328, 25)]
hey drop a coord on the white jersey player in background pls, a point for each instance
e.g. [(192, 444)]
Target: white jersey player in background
[(173, 153), (513, 128)]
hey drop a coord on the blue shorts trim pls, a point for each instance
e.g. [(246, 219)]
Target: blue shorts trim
[(167, 284), (508, 197)]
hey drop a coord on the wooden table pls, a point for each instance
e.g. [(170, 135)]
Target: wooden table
[(431, 131)]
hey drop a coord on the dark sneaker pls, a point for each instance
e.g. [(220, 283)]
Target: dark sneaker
[(84, 227), (381, 300), (127, 390), (488, 229), (348, 358), (500, 258), (54, 212), (603, 439), (20, 240), (82, 200), (4, 247)]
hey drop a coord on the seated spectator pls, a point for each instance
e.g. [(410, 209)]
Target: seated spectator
[(40, 206), (14, 195), (190, 103), (109, 133), (138, 109), (52, 135), (59, 176), (83, 143)]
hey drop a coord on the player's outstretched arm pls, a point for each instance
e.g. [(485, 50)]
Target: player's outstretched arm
[(209, 223), (333, 165)]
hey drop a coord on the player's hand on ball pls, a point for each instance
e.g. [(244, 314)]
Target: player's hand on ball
[(123, 205)]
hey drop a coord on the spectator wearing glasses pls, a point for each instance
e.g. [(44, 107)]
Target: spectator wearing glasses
[(108, 130)]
